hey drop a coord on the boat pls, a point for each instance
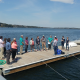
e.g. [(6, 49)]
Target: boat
[(71, 44)]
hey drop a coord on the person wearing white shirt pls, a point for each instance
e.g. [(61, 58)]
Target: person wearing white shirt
[(1, 48)]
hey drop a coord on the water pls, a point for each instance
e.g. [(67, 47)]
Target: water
[(70, 68)]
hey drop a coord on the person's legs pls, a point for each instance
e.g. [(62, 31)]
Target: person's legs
[(17, 50), (4, 52), (62, 47), (49, 46), (31, 47), (1, 53), (68, 46), (8, 57), (15, 53), (39, 47), (54, 50), (21, 48), (12, 54), (25, 48), (43, 45)]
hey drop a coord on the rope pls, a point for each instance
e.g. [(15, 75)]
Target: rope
[(56, 71), (76, 58)]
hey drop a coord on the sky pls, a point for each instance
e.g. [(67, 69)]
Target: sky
[(42, 13)]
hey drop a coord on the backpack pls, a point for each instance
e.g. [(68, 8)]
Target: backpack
[(59, 51)]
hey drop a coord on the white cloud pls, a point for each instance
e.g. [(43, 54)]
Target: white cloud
[(64, 1), (0, 0)]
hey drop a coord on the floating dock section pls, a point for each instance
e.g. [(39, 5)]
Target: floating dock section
[(34, 59)]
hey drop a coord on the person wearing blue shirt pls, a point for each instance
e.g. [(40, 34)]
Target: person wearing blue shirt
[(8, 51), (21, 44)]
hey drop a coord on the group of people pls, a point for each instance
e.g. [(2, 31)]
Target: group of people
[(7, 47)]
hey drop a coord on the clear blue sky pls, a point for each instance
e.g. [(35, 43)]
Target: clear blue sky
[(44, 13)]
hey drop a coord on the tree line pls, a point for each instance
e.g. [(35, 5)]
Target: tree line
[(17, 26)]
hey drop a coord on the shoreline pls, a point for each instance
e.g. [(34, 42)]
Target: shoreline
[(5, 25), (40, 27)]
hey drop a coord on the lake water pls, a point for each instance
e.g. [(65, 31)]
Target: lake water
[(70, 68)]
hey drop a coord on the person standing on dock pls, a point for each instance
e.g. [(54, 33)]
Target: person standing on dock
[(32, 44), (50, 40), (62, 42), (67, 44), (43, 40), (8, 51), (14, 49), (38, 43), (26, 44), (4, 47), (56, 38), (1, 48), (21, 44), (55, 46)]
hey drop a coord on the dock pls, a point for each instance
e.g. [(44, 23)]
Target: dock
[(34, 59)]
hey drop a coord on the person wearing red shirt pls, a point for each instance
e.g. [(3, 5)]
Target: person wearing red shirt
[(56, 38), (32, 44)]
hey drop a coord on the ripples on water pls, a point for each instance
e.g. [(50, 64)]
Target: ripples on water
[(70, 68)]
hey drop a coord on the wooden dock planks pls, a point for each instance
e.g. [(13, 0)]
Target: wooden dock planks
[(34, 59)]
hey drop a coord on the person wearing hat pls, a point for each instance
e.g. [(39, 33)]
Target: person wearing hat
[(56, 38), (21, 44), (14, 49), (50, 40), (43, 40)]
